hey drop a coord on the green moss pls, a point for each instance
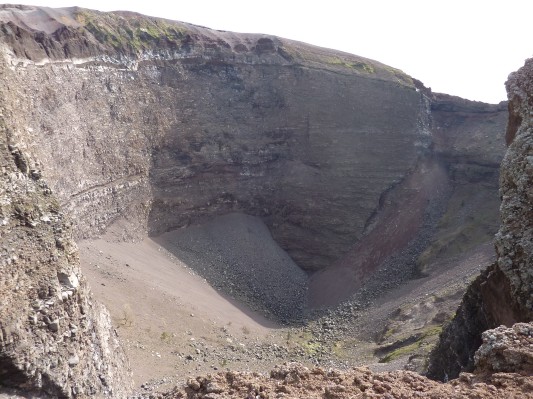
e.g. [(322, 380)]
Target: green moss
[(339, 350), (432, 332), (400, 352), (311, 348), (307, 55), (307, 342), (400, 76), (349, 64), (389, 332), (129, 33), (427, 334)]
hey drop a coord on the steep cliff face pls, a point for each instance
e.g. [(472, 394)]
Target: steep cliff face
[(162, 125), (159, 125), (166, 124), (467, 137), (446, 207), (503, 293), (54, 339), (205, 123)]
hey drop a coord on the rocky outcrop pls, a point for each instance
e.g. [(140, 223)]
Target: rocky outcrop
[(503, 369), (503, 293), (508, 350), (55, 340), (160, 125)]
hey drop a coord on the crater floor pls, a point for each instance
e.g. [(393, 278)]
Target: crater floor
[(174, 323)]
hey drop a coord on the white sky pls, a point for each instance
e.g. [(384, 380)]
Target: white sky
[(460, 47)]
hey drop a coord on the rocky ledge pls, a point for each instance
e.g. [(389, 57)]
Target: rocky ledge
[(213, 123)]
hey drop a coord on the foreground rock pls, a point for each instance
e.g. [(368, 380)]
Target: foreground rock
[(500, 352), (54, 338), (193, 123), (503, 293), (506, 350)]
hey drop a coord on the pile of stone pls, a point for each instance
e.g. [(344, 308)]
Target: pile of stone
[(236, 254)]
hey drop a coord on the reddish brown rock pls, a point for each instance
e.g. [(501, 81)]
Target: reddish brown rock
[(295, 381)]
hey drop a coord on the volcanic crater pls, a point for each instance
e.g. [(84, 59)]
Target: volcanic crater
[(288, 201)]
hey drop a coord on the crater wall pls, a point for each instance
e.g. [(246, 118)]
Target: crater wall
[(160, 125)]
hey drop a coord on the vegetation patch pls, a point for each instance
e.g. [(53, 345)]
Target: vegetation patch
[(134, 34), (127, 316), (305, 341), (165, 336), (350, 64), (400, 76), (408, 347)]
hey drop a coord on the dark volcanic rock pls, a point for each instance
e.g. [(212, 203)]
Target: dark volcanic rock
[(503, 293)]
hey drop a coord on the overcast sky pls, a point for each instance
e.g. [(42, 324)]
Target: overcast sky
[(460, 47)]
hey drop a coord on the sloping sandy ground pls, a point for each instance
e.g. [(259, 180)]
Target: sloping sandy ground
[(172, 322)]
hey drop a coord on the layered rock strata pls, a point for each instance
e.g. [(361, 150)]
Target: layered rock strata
[(205, 123), (163, 125), (167, 124)]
